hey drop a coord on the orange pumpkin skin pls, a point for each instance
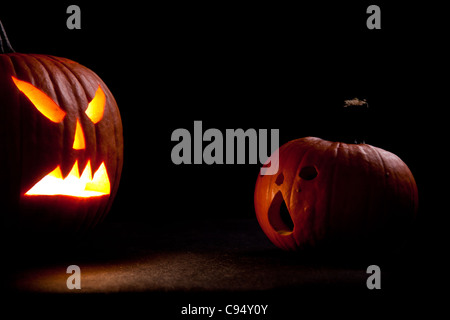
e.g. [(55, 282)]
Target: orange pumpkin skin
[(339, 196), (33, 145)]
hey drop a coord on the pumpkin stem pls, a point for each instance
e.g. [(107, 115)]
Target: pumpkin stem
[(5, 46), (357, 115)]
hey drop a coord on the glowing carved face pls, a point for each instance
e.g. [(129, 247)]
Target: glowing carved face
[(85, 185)]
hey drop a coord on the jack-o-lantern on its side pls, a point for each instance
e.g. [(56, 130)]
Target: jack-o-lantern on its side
[(62, 142), (333, 195)]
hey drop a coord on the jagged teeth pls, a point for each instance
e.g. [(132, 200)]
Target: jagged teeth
[(84, 186)]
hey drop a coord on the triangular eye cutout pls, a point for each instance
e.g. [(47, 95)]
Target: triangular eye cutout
[(96, 107), (40, 100)]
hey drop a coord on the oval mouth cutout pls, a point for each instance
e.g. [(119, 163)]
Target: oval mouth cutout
[(279, 217)]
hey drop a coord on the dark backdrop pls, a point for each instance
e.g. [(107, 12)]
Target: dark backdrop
[(232, 66), (258, 66)]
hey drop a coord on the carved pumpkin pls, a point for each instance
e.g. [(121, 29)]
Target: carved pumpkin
[(336, 195), (61, 136)]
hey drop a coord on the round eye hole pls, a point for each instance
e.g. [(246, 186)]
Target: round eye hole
[(308, 173), (279, 180)]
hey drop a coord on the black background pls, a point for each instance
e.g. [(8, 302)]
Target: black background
[(258, 65), (234, 66)]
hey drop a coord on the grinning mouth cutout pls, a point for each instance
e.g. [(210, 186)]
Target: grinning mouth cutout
[(85, 185)]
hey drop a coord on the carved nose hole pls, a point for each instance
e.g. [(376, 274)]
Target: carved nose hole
[(279, 216), (78, 142)]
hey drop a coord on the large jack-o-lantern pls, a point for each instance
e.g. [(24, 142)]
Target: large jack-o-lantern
[(61, 140), (346, 197)]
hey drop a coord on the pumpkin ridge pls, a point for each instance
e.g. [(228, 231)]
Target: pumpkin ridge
[(71, 77), (369, 201), (310, 147), (116, 145), (76, 76), (118, 141), (333, 148), (55, 89), (320, 223), (362, 160), (338, 147), (414, 191), (384, 186), (311, 213), (19, 63)]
